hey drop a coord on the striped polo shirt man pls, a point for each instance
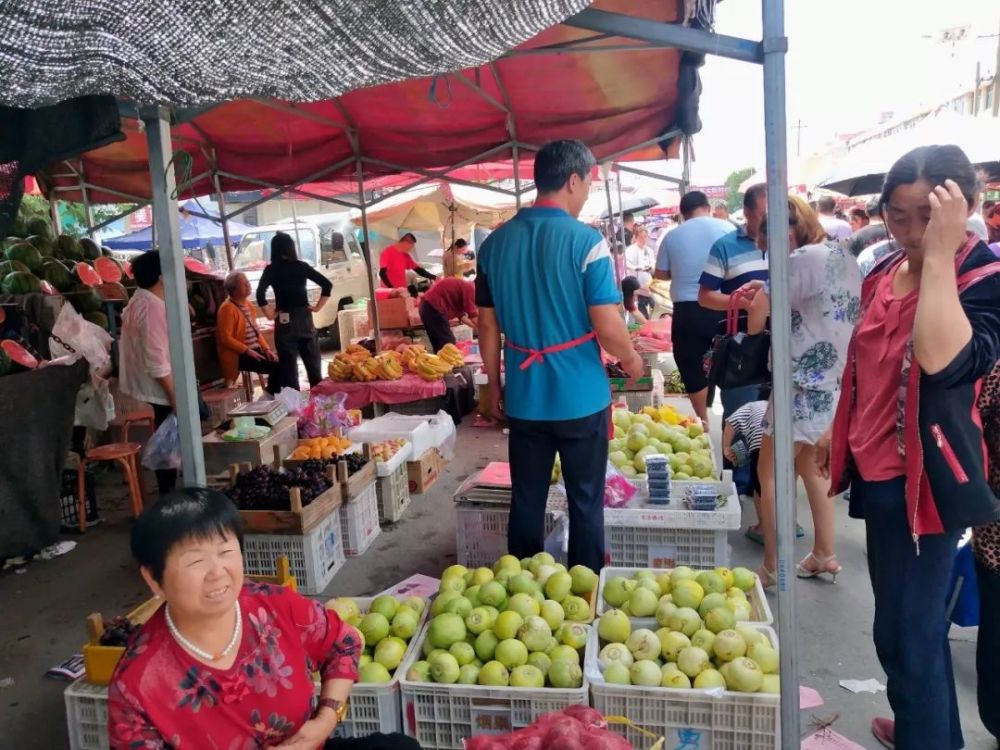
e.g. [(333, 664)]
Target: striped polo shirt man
[(733, 261)]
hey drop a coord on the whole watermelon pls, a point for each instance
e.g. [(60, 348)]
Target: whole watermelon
[(56, 274), (9, 266), (97, 318), (91, 250), (19, 228), (68, 248), (20, 282), (38, 225), (84, 299), (26, 253), (43, 245)]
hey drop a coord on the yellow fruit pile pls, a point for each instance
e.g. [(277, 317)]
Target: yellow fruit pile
[(321, 447), (452, 355), (409, 354), (357, 364), (667, 414), (431, 367)]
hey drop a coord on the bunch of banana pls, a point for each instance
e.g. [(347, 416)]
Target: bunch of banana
[(431, 367), (389, 366), (452, 355), (340, 370), (366, 370), (410, 355)]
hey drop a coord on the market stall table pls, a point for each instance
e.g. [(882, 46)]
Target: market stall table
[(220, 454)]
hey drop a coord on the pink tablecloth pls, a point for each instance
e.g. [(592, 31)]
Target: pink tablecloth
[(359, 395)]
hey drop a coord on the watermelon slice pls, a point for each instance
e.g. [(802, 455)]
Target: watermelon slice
[(108, 269), (46, 288), (86, 273), (127, 268), (18, 354), (196, 266)]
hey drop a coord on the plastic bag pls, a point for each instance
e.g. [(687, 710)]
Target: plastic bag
[(163, 451), (291, 398), (618, 490), (557, 542), (72, 333), (323, 415), (95, 407)]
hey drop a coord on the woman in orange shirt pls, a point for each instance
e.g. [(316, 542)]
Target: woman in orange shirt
[(239, 343)]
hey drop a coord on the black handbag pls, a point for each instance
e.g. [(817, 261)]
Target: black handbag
[(737, 359)]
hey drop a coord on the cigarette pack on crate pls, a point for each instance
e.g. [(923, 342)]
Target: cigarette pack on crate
[(442, 717), (374, 707), (359, 522), (712, 719), (314, 558), (664, 536)]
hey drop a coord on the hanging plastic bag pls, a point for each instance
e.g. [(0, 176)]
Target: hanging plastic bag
[(74, 334), (163, 451), (557, 542), (95, 407)]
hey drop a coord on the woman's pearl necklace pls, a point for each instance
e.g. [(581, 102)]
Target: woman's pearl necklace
[(204, 655)]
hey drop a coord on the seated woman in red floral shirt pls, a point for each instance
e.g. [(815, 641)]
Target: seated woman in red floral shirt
[(227, 664)]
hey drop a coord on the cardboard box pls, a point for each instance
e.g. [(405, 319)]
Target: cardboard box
[(393, 313), (425, 471)]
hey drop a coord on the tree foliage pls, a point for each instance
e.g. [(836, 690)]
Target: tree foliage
[(734, 199), (72, 215)]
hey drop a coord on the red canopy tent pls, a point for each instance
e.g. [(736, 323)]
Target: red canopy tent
[(558, 84)]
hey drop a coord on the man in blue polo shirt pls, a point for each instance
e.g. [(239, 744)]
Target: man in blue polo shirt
[(734, 261), (545, 283)]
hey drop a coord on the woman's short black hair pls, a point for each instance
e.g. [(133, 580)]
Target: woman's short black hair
[(935, 164), (189, 513), (630, 285), (146, 269), (282, 248)]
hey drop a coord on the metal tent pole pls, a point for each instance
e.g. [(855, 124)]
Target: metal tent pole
[(88, 212), (775, 45), (611, 225), (54, 213), (367, 250), (516, 154), (220, 201), (166, 219), (685, 164), (621, 204)]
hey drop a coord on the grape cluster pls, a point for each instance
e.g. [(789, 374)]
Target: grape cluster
[(263, 488), (615, 370), (118, 632), (355, 462)]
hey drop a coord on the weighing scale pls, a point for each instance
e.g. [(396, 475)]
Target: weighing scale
[(268, 412)]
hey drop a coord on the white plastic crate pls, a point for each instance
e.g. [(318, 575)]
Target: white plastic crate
[(375, 707), (481, 531), (706, 719), (400, 457), (441, 717), (671, 535), (314, 558), (87, 715), (359, 522), (760, 610), (393, 492)]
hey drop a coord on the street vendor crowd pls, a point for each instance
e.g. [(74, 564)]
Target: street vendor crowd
[(895, 338)]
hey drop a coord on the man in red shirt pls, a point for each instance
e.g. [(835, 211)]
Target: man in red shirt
[(396, 260), (448, 298)]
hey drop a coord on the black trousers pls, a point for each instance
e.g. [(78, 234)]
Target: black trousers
[(293, 339), (166, 479), (264, 367), (910, 629), (582, 445), (394, 741), (987, 655), (437, 326)]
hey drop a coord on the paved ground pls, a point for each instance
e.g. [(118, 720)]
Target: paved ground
[(42, 610)]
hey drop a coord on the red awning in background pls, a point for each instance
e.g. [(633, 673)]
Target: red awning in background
[(614, 101)]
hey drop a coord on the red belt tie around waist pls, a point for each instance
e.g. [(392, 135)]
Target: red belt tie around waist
[(538, 355)]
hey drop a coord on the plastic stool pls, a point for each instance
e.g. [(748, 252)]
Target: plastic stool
[(124, 454)]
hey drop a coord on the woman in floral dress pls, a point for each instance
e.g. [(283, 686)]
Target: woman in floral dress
[(824, 284), (224, 663)]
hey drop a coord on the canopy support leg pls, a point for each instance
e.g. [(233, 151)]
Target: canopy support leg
[(220, 202), (606, 172), (685, 164), (366, 248), (516, 157), (775, 44), (166, 219)]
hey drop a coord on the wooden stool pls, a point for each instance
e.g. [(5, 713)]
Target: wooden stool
[(248, 388), (124, 454)]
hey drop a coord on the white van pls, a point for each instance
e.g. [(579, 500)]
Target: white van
[(329, 246)]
